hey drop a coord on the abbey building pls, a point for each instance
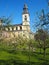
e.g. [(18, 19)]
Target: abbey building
[(19, 29)]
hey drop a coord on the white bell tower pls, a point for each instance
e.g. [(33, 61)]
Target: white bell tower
[(26, 18), (25, 15)]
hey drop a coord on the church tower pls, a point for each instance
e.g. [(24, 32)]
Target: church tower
[(26, 18)]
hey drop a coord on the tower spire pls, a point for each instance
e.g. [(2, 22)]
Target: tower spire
[(26, 18), (25, 9), (25, 6)]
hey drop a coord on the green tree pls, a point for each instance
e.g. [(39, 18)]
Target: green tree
[(42, 37), (42, 25)]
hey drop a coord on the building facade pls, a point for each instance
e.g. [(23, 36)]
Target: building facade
[(19, 29)]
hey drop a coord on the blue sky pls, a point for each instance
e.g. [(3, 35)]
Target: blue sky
[(14, 9)]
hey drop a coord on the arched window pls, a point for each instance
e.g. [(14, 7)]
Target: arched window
[(25, 17), (16, 28), (12, 28), (20, 27)]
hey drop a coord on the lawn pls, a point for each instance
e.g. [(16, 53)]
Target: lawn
[(11, 57)]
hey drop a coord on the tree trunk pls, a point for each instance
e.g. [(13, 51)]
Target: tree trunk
[(40, 50), (29, 53), (44, 52)]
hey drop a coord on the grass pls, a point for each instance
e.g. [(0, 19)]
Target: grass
[(18, 57), (22, 58)]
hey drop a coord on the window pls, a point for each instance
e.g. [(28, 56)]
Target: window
[(25, 18), (12, 28), (16, 28), (20, 28)]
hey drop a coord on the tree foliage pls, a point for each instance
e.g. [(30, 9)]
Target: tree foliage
[(5, 20), (42, 37)]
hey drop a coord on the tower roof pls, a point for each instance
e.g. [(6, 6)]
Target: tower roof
[(25, 9), (25, 6)]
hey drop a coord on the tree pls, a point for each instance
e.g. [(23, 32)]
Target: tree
[(42, 26), (42, 37), (3, 23), (5, 20), (42, 20)]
